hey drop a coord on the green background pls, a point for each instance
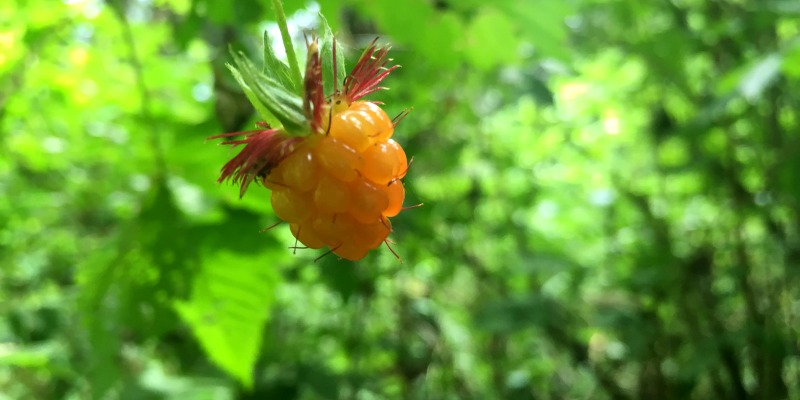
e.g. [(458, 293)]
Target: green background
[(611, 190)]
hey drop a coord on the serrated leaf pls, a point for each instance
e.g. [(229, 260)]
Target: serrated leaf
[(276, 69), (326, 53), (261, 109), (230, 302), (269, 97)]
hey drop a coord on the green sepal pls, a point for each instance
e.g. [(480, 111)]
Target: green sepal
[(277, 69), (278, 106), (326, 53), (262, 110)]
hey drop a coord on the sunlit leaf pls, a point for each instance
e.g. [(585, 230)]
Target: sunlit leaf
[(275, 104), (326, 54), (491, 40), (760, 77), (229, 305), (276, 69)]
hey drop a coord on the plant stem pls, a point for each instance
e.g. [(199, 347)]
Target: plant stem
[(287, 44), (144, 95)]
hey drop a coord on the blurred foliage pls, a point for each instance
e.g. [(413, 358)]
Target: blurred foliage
[(611, 189)]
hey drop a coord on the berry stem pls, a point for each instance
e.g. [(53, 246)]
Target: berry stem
[(287, 44)]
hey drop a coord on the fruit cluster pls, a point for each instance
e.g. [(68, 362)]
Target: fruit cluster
[(335, 173), (339, 190)]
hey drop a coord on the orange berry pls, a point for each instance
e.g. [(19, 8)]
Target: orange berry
[(384, 161), (331, 195), (372, 235), (299, 170), (290, 205), (383, 126), (345, 227), (334, 196), (338, 190), (305, 233), (338, 159), (337, 184), (324, 226), (368, 201), (274, 180), (335, 230), (380, 163), (350, 251), (353, 129), (396, 193), (401, 163)]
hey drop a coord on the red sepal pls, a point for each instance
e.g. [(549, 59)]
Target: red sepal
[(368, 72), (263, 150)]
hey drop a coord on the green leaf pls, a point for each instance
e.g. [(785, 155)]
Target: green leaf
[(791, 60), (543, 25), (344, 281), (230, 302), (320, 380), (272, 101), (326, 53), (491, 40), (276, 69), (518, 312), (129, 285), (27, 356), (445, 31), (260, 107), (760, 77), (402, 23), (219, 12)]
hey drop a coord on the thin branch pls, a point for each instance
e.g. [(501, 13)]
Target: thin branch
[(144, 94)]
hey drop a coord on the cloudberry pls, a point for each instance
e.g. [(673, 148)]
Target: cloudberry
[(338, 183)]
